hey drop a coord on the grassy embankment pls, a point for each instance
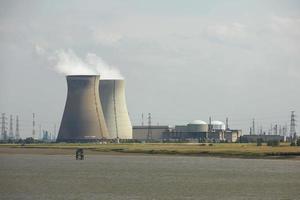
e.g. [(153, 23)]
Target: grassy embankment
[(222, 150)]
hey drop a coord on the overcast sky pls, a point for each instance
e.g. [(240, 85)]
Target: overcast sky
[(182, 60)]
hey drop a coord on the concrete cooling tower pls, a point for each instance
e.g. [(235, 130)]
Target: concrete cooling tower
[(83, 118), (112, 97)]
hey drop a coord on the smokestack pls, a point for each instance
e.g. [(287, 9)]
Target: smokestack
[(113, 100), (83, 117)]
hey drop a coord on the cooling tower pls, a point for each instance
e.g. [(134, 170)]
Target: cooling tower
[(112, 97), (83, 118)]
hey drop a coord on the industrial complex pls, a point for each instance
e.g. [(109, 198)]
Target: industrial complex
[(96, 110), (197, 131)]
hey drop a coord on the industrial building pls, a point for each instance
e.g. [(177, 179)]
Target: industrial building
[(83, 118), (263, 138), (144, 133), (197, 130), (113, 101)]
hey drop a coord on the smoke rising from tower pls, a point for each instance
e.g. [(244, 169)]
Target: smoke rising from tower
[(67, 62)]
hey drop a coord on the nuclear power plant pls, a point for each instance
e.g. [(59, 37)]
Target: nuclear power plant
[(113, 101), (83, 118), (95, 110)]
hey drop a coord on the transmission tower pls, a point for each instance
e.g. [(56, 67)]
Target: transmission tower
[(253, 126), (271, 130), (142, 119), (3, 127), (33, 125), (275, 129), (149, 134), (260, 130), (293, 134), (280, 130), (17, 133), (11, 132)]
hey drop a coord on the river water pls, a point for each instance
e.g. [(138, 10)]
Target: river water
[(146, 177)]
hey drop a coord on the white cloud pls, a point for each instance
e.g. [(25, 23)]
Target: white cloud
[(287, 26), (68, 63), (39, 50), (105, 37), (227, 32)]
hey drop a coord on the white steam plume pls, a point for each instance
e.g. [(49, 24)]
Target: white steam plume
[(68, 63)]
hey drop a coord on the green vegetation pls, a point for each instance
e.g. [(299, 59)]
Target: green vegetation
[(202, 149)]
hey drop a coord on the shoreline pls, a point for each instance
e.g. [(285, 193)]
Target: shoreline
[(91, 150)]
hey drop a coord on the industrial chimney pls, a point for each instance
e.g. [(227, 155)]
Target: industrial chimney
[(83, 118), (113, 101)]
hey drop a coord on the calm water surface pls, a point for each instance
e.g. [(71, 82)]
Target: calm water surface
[(146, 177)]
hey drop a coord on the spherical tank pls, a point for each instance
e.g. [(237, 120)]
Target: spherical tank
[(218, 125)]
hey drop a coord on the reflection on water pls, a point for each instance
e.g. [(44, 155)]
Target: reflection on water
[(146, 177)]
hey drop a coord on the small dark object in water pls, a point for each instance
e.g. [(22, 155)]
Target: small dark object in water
[(79, 154)]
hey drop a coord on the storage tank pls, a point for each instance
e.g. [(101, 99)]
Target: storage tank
[(113, 101), (181, 128), (218, 125), (83, 117), (197, 126)]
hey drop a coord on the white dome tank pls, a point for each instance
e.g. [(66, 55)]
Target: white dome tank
[(197, 126), (218, 125)]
